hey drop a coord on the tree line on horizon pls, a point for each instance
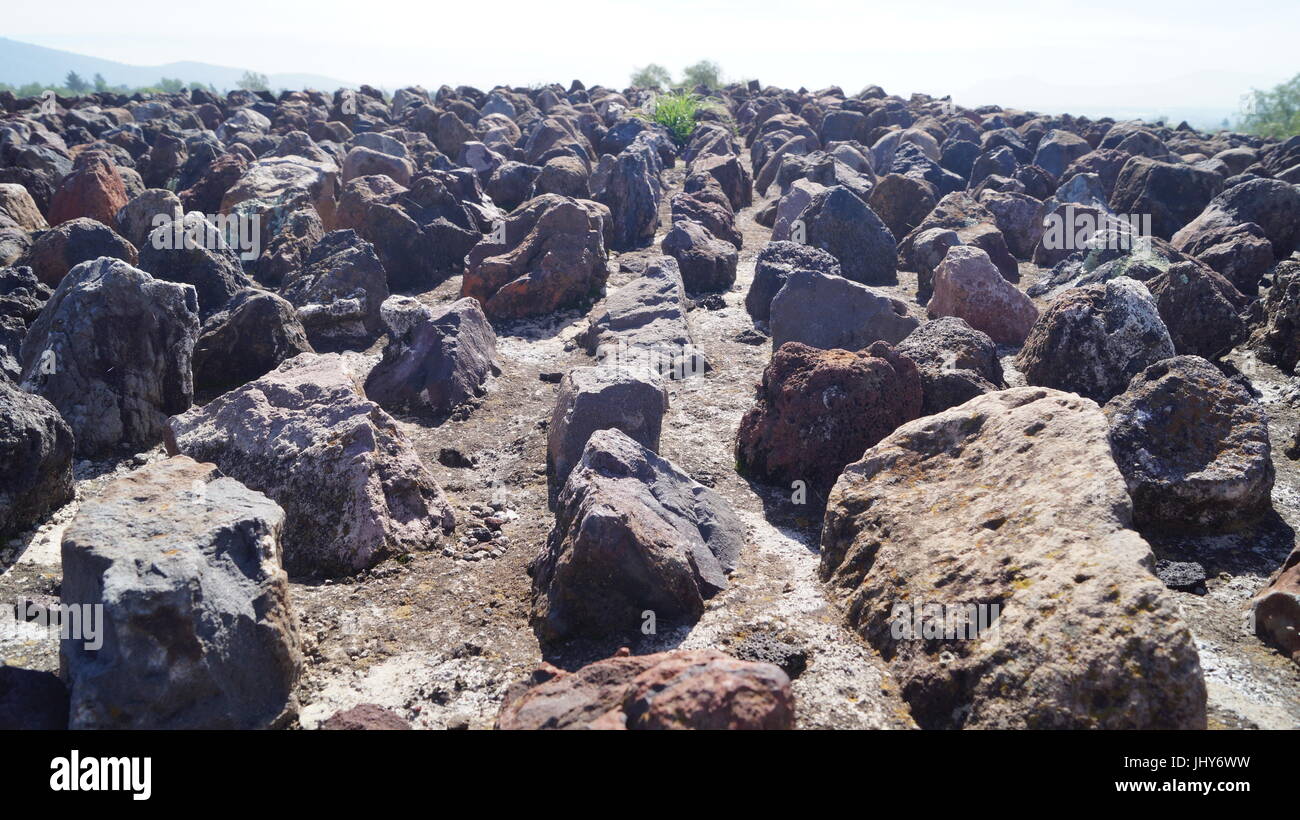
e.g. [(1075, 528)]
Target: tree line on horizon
[(1272, 113), (1268, 113), (74, 85)]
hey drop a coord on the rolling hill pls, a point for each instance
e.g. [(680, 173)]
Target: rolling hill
[(22, 63)]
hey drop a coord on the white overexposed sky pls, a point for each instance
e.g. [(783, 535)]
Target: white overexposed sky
[(1047, 54)]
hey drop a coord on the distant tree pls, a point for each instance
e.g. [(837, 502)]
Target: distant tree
[(1272, 113), (100, 83), (253, 81), (706, 73), (74, 82), (652, 76), (171, 85)]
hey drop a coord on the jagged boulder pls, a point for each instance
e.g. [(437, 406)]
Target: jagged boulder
[(1193, 447), (628, 184), (197, 628), (774, 263), (421, 234), (193, 252), (1058, 149), (362, 161), (437, 361), (1271, 204), (511, 184), (251, 337), (552, 257), (1008, 515), (683, 689), (817, 410), (1277, 339), (731, 175), (832, 312), (22, 296), (628, 399), (339, 291), (643, 325), (841, 224), (901, 202), (974, 225), (112, 351), (55, 252), (633, 533), (1092, 340), (1173, 194), (36, 449), (716, 216), (93, 191), (275, 186), (143, 213), (1276, 609), (19, 209), (956, 362), (289, 249), (1200, 308), (351, 484), (706, 262), (1240, 252), (1019, 217), (968, 285)]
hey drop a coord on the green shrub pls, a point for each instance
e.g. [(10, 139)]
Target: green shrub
[(253, 81), (1273, 113), (706, 73), (652, 76), (676, 112)]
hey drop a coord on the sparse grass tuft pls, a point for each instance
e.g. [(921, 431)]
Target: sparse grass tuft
[(676, 112)]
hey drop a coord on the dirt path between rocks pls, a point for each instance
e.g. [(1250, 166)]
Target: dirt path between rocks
[(440, 638)]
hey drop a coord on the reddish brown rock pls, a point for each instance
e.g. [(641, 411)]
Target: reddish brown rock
[(818, 410), (366, 716), (210, 188), (968, 285), (60, 249), (683, 689), (93, 190), (553, 257), (973, 223), (1276, 610)]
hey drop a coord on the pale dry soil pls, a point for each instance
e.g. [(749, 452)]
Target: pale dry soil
[(439, 639)]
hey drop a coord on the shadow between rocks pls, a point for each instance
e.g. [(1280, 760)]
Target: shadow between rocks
[(782, 512), (1258, 548), (575, 653)]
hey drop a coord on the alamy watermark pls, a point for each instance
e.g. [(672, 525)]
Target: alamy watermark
[(670, 361), (239, 232), (1088, 229), (68, 622), (932, 621), (73, 772)]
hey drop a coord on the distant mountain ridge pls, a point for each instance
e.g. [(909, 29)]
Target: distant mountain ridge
[(22, 63), (1203, 98)]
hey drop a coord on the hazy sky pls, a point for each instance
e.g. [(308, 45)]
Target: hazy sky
[(1174, 53)]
